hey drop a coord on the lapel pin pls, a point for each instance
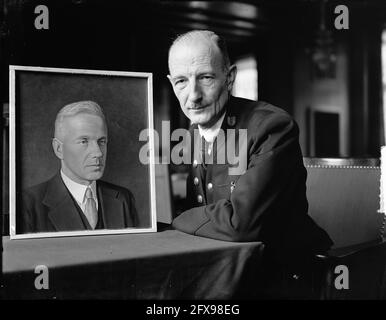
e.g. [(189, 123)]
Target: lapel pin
[(231, 121)]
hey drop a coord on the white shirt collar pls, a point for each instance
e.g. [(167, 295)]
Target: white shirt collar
[(211, 133), (78, 190)]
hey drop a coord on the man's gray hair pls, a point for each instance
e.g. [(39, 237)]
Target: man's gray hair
[(210, 36), (72, 109)]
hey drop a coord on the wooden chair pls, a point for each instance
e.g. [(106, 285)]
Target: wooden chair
[(343, 196)]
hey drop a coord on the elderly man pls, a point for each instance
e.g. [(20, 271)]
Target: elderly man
[(266, 201), (75, 198)]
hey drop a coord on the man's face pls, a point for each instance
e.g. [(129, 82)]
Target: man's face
[(84, 147), (199, 80)]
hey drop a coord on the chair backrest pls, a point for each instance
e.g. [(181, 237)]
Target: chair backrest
[(343, 196)]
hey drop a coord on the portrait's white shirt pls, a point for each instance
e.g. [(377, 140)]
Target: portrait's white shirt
[(211, 133), (78, 191)]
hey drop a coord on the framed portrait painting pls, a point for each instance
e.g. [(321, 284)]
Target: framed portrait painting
[(74, 152)]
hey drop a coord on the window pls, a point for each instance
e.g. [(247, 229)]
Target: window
[(246, 80)]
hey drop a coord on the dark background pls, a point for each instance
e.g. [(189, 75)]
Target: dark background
[(281, 35), (284, 36)]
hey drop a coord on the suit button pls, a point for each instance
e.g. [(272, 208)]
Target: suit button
[(199, 198), (210, 186), (195, 181), (195, 164)]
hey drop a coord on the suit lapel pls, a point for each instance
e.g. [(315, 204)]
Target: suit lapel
[(220, 156), (110, 206), (62, 209), (229, 122)]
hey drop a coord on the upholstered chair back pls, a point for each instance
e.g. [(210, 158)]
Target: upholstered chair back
[(343, 196)]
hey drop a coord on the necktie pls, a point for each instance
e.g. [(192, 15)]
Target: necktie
[(203, 164), (90, 209), (204, 153)]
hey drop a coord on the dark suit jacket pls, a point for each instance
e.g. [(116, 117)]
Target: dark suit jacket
[(265, 203), (49, 207)]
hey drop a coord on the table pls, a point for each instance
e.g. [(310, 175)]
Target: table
[(163, 265)]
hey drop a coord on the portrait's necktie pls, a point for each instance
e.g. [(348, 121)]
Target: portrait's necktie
[(90, 209)]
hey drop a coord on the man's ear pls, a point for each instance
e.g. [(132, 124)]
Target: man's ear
[(170, 79), (57, 145), (231, 77)]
